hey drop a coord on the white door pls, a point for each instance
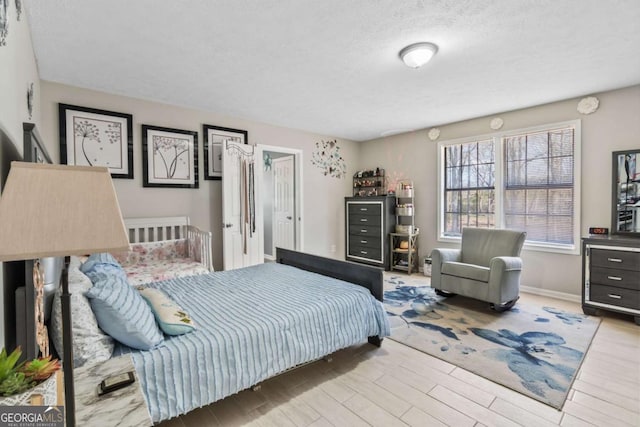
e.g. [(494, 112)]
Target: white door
[(241, 228), (283, 204)]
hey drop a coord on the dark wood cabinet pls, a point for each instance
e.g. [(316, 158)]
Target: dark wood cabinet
[(369, 220), (611, 275)]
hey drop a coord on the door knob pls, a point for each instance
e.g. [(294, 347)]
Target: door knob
[(224, 225), (289, 217)]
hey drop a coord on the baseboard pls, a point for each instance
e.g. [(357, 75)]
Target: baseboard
[(269, 257), (552, 294)]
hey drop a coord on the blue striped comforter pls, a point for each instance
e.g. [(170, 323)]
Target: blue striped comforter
[(252, 323)]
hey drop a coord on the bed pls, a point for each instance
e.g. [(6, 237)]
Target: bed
[(251, 324)]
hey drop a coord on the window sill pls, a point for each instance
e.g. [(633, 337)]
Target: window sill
[(529, 246)]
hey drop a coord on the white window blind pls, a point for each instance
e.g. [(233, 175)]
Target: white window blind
[(522, 180)]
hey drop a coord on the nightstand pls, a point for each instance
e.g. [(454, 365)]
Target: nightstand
[(124, 407)]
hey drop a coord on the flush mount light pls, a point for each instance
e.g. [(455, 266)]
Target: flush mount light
[(417, 54)]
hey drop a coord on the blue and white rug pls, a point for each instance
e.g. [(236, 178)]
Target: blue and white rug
[(536, 351)]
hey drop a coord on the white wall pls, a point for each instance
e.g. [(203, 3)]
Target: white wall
[(615, 126), (18, 70), (323, 210)]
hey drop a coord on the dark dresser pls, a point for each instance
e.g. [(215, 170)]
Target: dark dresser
[(369, 220), (611, 275)]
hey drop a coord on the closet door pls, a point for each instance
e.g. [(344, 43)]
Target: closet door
[(241, 246)]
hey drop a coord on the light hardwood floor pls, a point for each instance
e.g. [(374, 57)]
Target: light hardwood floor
[(397, 386)]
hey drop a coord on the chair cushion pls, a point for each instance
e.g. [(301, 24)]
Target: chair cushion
[(467, 271), (480, 245)]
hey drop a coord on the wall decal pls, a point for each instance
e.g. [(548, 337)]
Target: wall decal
[(434, 133), (4, 21), (30, 100), (496, 123), (327, 157), (18, 9), (588, 105)]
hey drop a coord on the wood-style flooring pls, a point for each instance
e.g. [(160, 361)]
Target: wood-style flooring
[(397, 386)]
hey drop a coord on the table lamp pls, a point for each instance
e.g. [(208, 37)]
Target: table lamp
[(57, 210)]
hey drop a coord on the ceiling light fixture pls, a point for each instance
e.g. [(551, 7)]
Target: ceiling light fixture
[(417, 54)]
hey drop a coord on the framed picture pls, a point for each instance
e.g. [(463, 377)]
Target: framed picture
[(92, 137), (214, 138), (169, 157)]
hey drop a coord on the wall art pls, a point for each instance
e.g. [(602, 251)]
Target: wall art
[(93, 137), (327, 157), (4, 21), (214, 139), (30, 101), (18, 9), (169, 157)]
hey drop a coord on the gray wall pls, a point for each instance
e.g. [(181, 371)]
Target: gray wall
[(614, 126), (18, 70), (323, 219)]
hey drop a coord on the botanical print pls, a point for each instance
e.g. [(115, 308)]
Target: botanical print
[(91, 137), (535, 351), (327, 157), (214, 139), (170, 157), (4, 22), (98, 142)]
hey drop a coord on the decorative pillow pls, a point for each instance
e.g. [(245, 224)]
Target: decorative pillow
[(173, 320), (123, 313), (102, 263), (89, 342)]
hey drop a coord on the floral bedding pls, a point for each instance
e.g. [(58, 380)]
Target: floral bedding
[(155, 261)]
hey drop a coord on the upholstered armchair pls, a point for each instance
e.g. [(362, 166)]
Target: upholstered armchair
[(486, 267)]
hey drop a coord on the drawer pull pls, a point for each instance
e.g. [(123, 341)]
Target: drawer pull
[(363, 219), (363, 231), (614, 260), (363, 242), (614, 278), (363, 252), (364, 209), (614, 296)]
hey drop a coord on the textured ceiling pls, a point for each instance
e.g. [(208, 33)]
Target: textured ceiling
[(332, 66)]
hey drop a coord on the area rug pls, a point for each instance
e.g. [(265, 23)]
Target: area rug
[(536, 351)]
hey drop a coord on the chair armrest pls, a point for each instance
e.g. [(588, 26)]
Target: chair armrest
[(199, 246), (438, 257), (506, 263)]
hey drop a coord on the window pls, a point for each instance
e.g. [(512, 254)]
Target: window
[(523, 180)]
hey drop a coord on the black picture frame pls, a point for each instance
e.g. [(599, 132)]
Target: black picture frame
[(214, 137), (99, 138), (162, 164)]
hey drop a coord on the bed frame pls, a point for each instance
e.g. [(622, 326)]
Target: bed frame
[(359, 274), (141, 230)]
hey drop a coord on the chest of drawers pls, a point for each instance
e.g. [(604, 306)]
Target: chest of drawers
[(369, 220), (611, 275)]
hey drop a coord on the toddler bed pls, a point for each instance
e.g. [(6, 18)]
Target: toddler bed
[(251, 324), (164, 248)]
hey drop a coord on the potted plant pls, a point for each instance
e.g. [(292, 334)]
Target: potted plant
[(20, 381)]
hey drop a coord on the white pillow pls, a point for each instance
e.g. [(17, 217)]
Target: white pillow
[(90, 343), (171, 318)]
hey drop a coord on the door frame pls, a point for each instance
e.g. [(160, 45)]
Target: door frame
[(298, 185)]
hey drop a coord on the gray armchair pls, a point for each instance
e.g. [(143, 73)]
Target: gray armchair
[(486, 267)]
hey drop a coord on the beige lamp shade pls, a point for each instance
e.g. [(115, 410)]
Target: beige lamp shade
[(58, 210)]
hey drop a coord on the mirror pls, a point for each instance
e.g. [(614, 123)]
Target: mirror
[(625, 206)]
